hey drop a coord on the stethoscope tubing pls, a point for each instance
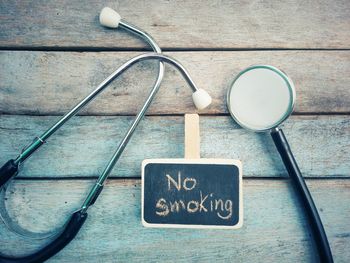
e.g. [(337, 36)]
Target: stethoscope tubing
[(10, 169), (78, 218), (320, 237), (73, 225)]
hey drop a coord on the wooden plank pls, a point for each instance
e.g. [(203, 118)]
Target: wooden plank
[(275, 228), (179, 24), (321, 144), (53, 82)]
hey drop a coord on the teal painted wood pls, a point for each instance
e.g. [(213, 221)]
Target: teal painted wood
[(321, 144), (50, 83), (174, 24), (274, 229)]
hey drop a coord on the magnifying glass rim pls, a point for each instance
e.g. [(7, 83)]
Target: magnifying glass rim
[(291, 88)]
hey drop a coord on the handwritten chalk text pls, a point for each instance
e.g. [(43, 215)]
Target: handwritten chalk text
[(205, 203)]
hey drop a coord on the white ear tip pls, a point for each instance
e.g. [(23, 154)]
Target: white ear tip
[(201, 99), (109, 17)]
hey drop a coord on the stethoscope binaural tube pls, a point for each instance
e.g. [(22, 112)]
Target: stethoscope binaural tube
[(108, 18), (200, 98), (260, 98)]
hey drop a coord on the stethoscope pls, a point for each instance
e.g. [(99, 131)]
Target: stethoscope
[(260, 98), (201, 99)]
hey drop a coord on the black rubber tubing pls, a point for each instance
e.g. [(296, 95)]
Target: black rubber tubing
[(320, 237), (7, 171), (70, 231)]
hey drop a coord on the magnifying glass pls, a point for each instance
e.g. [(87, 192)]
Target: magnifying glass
[(260, 98)]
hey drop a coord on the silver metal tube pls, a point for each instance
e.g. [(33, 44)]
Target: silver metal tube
[(38, 141), (139, 32), (104, 84), (95, 191), (99, 184)]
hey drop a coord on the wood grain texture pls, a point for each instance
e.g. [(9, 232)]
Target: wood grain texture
[(53, 82), (321, 144), (50, 83), (192, 143), (275, 227), (195, 24)]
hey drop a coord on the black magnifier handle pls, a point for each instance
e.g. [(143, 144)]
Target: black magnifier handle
[(291, 165), (7, 171), (70, 230)]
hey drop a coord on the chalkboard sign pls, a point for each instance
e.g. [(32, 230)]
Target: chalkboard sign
[(192, 193)]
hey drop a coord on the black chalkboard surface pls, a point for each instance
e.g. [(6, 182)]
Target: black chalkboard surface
[(192, 193)]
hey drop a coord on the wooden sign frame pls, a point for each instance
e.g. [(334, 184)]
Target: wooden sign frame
[(236, 163)]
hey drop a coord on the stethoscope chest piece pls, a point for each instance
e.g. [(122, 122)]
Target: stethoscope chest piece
[(261, 97)]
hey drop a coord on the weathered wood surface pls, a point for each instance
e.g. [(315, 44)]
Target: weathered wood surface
[(179, 24), (53, 82), (49, 83), (82, 147), (275, 226)]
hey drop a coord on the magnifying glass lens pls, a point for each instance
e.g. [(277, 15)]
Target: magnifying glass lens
[(261, 97)]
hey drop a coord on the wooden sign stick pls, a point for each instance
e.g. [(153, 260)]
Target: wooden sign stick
[(192, 138)]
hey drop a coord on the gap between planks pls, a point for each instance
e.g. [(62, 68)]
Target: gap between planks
[(169, 115), (164, 49), (138, 178)]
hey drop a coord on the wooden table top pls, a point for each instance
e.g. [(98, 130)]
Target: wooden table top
[(53, 53)]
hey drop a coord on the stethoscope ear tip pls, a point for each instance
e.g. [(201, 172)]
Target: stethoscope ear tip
[(201, 99), (109, 17)]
